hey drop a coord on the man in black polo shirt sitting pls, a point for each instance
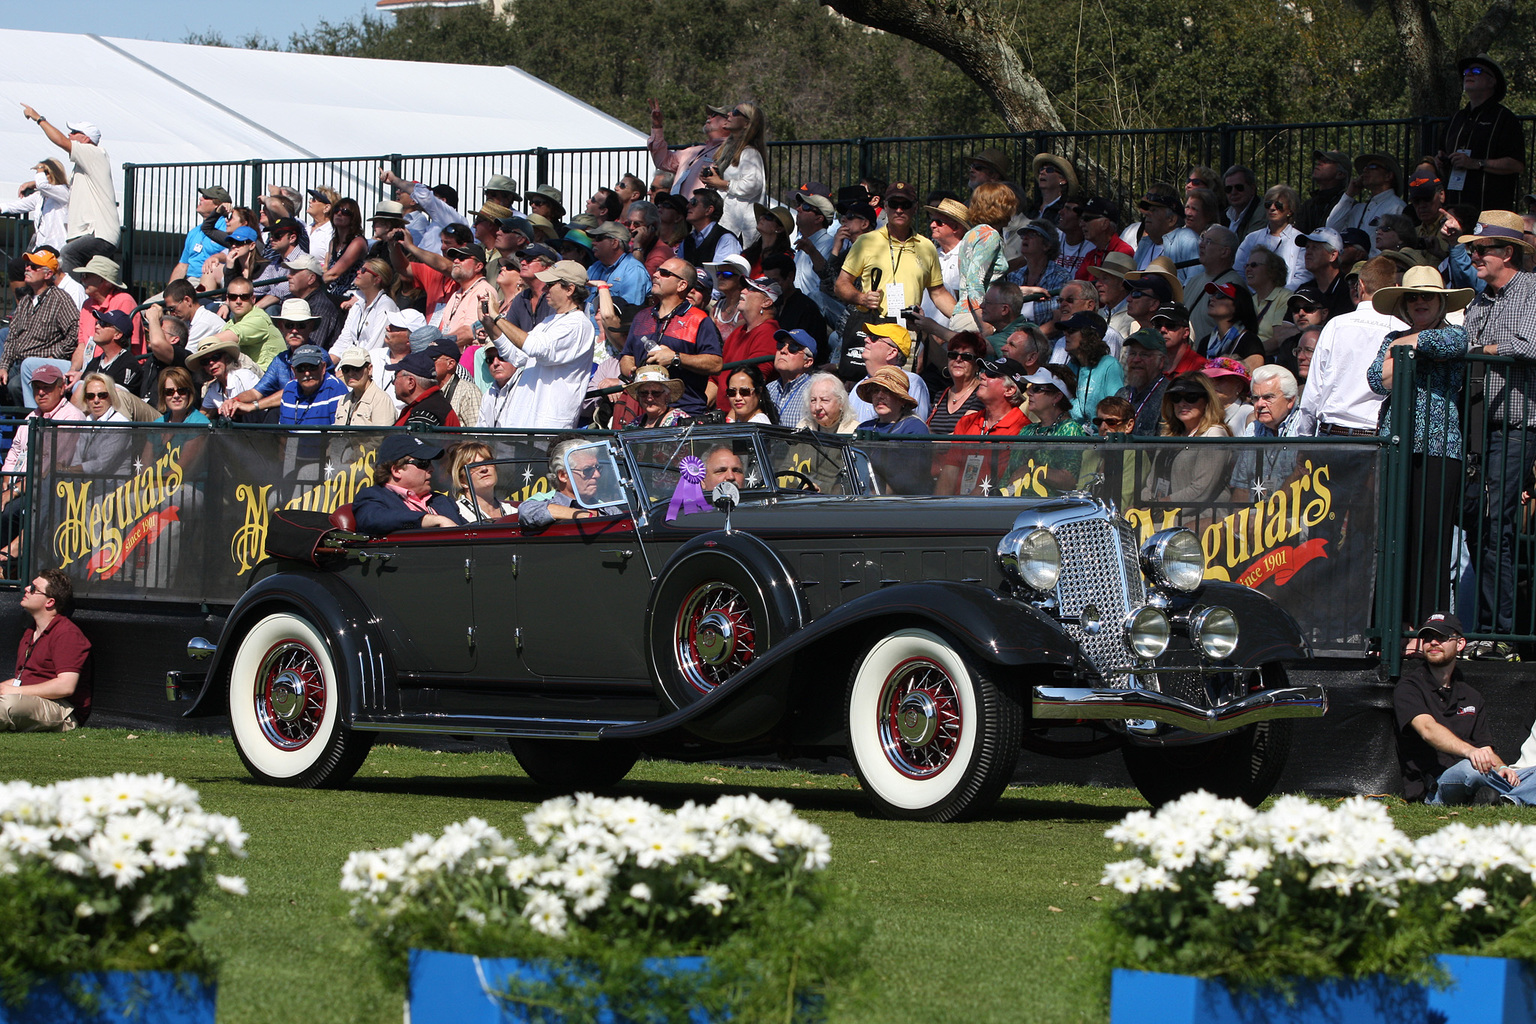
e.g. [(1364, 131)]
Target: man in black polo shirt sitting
[(1444, 739)]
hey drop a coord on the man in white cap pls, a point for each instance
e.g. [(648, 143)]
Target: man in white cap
[(94, 227), (306, 281), (298, 326)]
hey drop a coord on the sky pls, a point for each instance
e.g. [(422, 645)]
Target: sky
[(172, 21)]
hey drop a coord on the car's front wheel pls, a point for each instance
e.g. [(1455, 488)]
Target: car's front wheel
[(931, 735), (572, 765), (286, 706)]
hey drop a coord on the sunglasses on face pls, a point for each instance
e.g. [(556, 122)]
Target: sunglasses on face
[(791, 346), (41, 386), (307, 370), (1236, 188), (33, 588), (1484, 250), (664, 272), (244, 296), (1474, 70), (1188, 399), (737, 113), (653, 394), (739, 392), (898, 204), (964, 357), (418, 463), (353, 371), (1040, 389), (588, 472), (1108, 421), (724, 273), (97, 396), (173, 392), (1272, 205)]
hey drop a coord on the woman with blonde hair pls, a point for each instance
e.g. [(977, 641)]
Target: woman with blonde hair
[(982, 260), (1279, 236), (474, 486), (1198, 473), (102, 451), (739, 173), (46, 197)]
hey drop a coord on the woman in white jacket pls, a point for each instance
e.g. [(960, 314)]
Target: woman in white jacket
[(46, 197), (738, 173)]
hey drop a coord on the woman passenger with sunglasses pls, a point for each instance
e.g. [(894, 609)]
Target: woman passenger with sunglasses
[(962, 367), (102, 452), (1195, 474)]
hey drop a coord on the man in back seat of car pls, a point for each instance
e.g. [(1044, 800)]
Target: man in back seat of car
[(582, 471), (402, 497)]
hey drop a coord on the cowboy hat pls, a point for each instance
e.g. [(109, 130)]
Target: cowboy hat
[(1499, 226), (955, 210), (1116, 264), (1161, 267), (1420, 281)]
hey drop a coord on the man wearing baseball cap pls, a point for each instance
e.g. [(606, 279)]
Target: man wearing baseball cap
[(94, 226), (313, 395), (888, 345), (759, 302), (1324, 248), (1444, 734), (198, 246), (790, 386), (625, 277), (45, 325), (402, 497), (114, 329)]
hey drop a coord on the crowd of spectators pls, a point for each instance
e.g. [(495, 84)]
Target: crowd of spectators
[(1219, 306)]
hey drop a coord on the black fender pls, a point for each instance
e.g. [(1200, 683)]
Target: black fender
[(747, 562), (360, 654), (996, 629), (1266, 633)]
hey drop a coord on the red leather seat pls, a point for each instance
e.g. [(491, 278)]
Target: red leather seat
[(343, 519)]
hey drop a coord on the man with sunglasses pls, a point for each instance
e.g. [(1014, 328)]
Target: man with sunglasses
[(1501, 321), (1163, 233), (251, 328), (1241, 189), (52, 404), (313, 396), (1444, 733), (111, 355), (814, 214), (673, 333), (797, 311), (46, 323), (570, 472), (1482, 154), (687, 164), (906, 263), (297, 325), (1100, 219), (792, 364), (1323, 261), (402, 497), (1370, 194), (643, 218), (51, 691)]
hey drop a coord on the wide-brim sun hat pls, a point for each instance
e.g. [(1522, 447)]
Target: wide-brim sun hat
[(891, 379), (1499, 226), (651, 374), (1419, 281)]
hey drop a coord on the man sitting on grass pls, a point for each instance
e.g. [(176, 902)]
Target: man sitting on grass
[(51, 691)]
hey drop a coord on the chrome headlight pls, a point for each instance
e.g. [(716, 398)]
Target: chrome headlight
[(1031, 556), (1147, 632), (1174, 558), (1215, 630)]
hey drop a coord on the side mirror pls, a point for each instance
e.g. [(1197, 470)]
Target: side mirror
[(725, 497)]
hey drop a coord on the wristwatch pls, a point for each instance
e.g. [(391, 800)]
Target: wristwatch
[(677, 361)]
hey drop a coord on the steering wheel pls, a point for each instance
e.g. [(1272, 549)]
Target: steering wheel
[(806, 483)]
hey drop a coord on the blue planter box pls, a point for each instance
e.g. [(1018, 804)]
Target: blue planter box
[(125, 997), (455, 988), (1483, 990)]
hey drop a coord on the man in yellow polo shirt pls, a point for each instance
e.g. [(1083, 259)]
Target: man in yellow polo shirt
[(908, 263)]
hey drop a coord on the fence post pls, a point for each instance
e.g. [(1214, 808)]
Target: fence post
[(130, 197), (258, 178), (1228, 136), (866, 160), (1427, 140), (541, 165)]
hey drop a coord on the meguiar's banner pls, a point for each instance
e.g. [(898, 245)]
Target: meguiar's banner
[(180, 514)]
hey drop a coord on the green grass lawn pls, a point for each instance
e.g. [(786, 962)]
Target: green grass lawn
[(974, 922)]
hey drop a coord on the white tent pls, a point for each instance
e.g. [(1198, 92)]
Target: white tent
[(158, 103)]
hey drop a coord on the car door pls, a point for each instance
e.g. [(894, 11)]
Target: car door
[(418, 585)]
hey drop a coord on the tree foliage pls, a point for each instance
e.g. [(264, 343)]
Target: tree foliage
[(1101, 64)]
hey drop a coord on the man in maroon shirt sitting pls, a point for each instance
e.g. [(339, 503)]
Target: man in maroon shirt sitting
[(51, 691)]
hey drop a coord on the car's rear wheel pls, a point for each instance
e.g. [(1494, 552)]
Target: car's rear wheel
[(286, 706), (1244, 764), (571, 765), (931, 735)]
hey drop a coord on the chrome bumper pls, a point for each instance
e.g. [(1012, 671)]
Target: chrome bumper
[(1066, 702)]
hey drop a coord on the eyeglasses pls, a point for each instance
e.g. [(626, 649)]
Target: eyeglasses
[(898, 204), (586, 473), (1273, 205), (736, 113), (1235, 188), (653, 393), (1434, 639), (352, 371), (1484, 250), (695, 202), (1078, 210), (97, 396), (307, 370), (1193, 181), (172, 392), (1373, 167), (634, 225), (291, 328), (1108, 421), (724, 273), (1138, 294), (739, 392), (664, 272), (964, 357)]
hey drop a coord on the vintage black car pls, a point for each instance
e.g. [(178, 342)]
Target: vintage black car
[(928, 639)]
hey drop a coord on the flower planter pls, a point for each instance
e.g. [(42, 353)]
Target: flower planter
[(1483, 990), (455, 988), (123, 997)]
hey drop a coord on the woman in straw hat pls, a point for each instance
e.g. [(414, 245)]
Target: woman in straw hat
[(1435, 481), (655, 391), (218, 357), (886, 391)]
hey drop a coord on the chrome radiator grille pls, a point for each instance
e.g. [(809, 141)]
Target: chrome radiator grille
[(1100, 567)]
